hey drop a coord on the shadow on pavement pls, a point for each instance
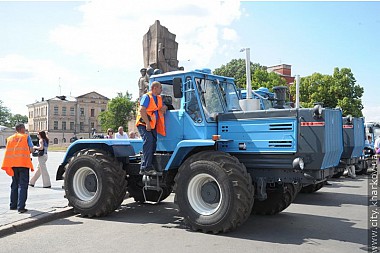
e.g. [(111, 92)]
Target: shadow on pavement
[(284, 228), (297, 229), (331, 199)]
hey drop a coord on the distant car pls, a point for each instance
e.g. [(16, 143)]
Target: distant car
[(35, 139)]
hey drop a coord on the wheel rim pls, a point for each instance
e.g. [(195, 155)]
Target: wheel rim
[(204, 194), (85, 183)]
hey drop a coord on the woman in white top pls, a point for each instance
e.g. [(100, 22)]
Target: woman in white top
[(41, 168)]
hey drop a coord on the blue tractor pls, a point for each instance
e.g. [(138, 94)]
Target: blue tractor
[(222, 163)]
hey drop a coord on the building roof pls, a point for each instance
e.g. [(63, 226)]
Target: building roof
[(94, 95), (63, 98)]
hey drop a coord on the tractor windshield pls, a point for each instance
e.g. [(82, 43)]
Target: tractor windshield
[(230, 96), (210, 98)]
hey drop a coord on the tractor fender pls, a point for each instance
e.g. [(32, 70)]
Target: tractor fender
[(118, 148), (183, 148)]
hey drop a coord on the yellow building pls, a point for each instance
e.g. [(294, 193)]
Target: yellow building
[(65, 118)]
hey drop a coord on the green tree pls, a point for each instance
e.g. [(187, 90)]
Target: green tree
[(17, 118), (121, 109), (337, 90), (4, 115), (260, 77), (236, 69)]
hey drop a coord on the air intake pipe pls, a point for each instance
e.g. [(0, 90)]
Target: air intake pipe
[(280, 96)]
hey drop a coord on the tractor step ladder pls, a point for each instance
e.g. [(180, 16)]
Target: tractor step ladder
[(148, 186)]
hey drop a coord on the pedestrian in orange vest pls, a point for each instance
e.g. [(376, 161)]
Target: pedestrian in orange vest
[(150, 121), (17, 163)]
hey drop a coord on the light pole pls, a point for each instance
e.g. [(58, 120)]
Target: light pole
[(248, 104), (248, 71)]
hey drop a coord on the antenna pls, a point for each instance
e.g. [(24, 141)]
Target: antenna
[(59, 85)]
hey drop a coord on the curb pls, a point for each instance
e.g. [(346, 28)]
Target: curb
[(34, 221)]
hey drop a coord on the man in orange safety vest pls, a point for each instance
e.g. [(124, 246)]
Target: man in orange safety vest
[(150, 121), (16, 164)]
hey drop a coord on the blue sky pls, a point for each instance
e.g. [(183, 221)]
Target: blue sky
[(77, 47)]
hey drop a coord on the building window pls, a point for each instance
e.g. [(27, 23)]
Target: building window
[(55, 125), (64, 111), (81, 126), (72, 112), (81, 111), (92, 125), (71, 125), (92, 112), (55, 110), (102, 110), (63, 125), (55, 140)]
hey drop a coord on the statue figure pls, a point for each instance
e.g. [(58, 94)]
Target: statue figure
[(160, 48), (143, 82)]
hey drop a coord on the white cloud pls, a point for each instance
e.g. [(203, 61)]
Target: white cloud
[(111, 32), (229, 34), (25, 80), (371, 113)]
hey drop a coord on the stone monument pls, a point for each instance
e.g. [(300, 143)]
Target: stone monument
[(160, 49)]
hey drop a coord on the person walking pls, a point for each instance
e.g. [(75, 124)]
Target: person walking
[(42, 147), (121, 134), (150, 121), (16, 164)]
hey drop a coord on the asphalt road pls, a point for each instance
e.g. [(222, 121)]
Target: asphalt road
[(331, 220)]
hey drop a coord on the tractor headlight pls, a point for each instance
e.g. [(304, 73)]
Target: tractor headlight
[(317, 110), (298, 164)]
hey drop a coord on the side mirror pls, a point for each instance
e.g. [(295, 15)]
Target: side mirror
[(177, 87)]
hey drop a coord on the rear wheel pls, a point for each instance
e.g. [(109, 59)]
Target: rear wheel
[(95, 183), (278, 199), (214, 192)]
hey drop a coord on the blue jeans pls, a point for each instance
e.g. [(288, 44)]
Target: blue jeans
[(149, 146), (19, 188)]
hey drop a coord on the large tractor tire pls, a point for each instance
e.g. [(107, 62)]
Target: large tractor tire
[(278, 199), (135, 190), (312, 187), (95, 183), (214, 192)]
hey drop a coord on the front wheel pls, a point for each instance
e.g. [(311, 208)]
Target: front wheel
[(214, 192), (95, 183)]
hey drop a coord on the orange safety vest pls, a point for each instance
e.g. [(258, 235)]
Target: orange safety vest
[(17, 153), (154, 123)]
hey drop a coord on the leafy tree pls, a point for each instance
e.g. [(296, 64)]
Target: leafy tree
[(260, 77), (337, 90), (121, 109), (8, 119), (17, 118), (236, 69), (4, 114)]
